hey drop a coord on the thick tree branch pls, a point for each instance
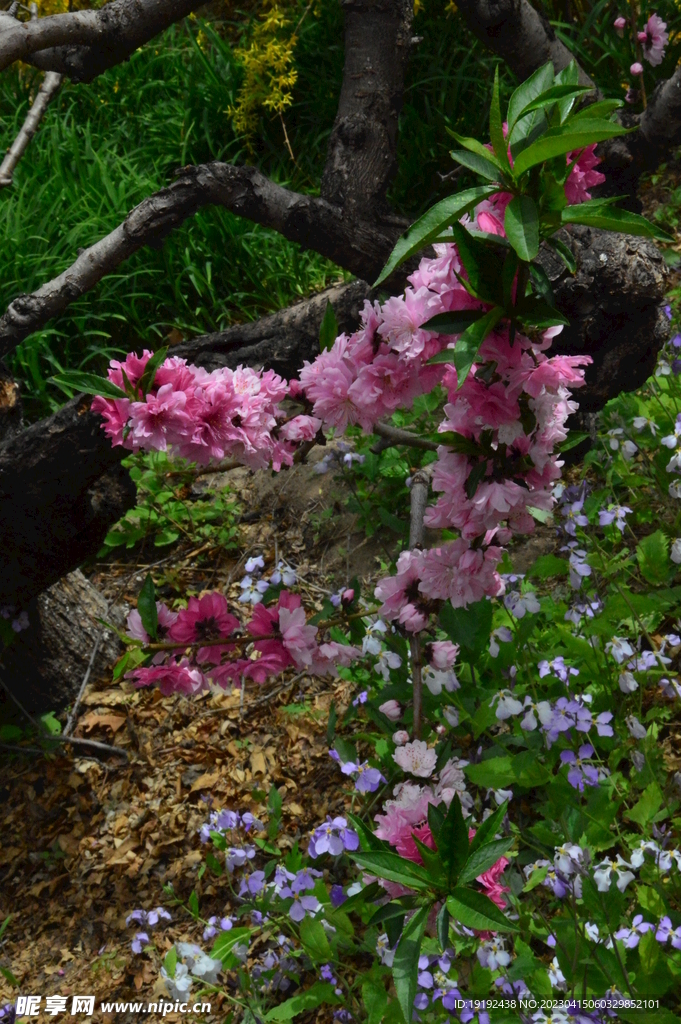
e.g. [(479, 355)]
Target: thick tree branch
[(83, 44), (316, 224), (48, 90), (515, 31), (361, 155)]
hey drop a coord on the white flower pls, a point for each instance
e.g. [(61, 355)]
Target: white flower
[(452, 716), (371, 643), (675, 553), (254, 563), (508, 704), (635, 728), (416, 758), (592, 932), (620, 649), (675, 489), (629, 449), (567, 858), (500, 795), (400, 737), (180, 986), (518, 604), (492, 954), (663, 369), (627, 683), (614, 436), (504, 634), (385, 954), (542, 711), (604, 872), (386, 661), (640, 423), (670, 440), (435, 680), (556, 976)]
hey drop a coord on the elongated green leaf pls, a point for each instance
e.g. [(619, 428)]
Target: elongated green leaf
[(475, 146), (170, 962), (566, 137), (226, 941), (537, 313), (375, 1000), (406, 961), (550, 96), (488, 829), (368, 839), (602, 109), (521, 223), (455, 322), (320, 992), (429, 226), (474, 910), (328, 332), (568, 76), (538, 82), (146, 381), (611, 218), (483, 859), (464, 353), (394, 868), (496, 131), (146, 606), (442, 923), (474, 162), (453, 841), (88, 384)]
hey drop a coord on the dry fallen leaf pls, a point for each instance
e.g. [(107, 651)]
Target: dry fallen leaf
[(92, 720)]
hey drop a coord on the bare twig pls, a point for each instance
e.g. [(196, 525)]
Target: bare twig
[(48, 90), (71, 720)]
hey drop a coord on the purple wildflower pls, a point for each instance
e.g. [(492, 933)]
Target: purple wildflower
[(580, 774), (632, 936), (368, 779), (333, 837), (338, 896), (574, 517), (252, 884), (361, 698), (140, 940)]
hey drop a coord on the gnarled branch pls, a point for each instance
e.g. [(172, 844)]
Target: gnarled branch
[(316, 224), (83, 44)]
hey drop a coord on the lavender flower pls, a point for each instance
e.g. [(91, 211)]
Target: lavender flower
[(580, 774), (614, 514), (632, 936), (252, 884), (333, 837), (140, 940), (367, 779), (214, 926), (148, 917), (337, 895), (8, 1013), (361, 698), (636, 730), (302, 902), (558, 668), (574, 517), (665, 932)]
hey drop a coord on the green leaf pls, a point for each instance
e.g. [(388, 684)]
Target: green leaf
[(537, 83), (536, 878), (87, 384), (474, 910), (442, 923), (465, 351), (429, 226), (492, 773), (652, 556), (564, 252), (477, 147), (611, 218), (394, 868), (521, 223), (547, 566), (469, 627), (51, 724), (8, 976), (602, 109), (328, 332), (550, 96), (146, 381), (274, 807), (564, 138), (314, 940), (452, 841), (170, 962), (474, 162), (5, 925), (226, 941), (146, 606), (193, 903), (483, 859), (496, 132), (489, 827), (645, 809), (375, 1000), (320, 992), (455, 322), (406, 961)]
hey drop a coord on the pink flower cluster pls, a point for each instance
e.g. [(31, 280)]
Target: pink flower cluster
[(203, 416), (277, 636)]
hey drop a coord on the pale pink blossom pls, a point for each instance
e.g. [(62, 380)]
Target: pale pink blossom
[(391, 709), (416, 758), (653, 39), (443, 654), (400, 593), (300, 428)]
